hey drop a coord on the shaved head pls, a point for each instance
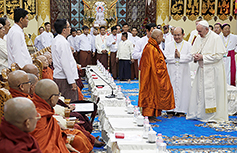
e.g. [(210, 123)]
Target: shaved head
[(33, 80), (48, 55), (18, 80), (157, 34), (44, 60), (47, 90), (31, 68), (18, 110)]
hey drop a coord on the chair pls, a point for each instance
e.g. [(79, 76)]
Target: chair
[(15, 66), (39, 65), (4, 96)]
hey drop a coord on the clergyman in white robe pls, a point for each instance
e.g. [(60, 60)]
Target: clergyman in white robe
[(179, 73), (208, 102)]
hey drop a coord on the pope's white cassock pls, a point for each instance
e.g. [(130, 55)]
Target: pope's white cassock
[(208, 100), (46, 39), (179, 73)]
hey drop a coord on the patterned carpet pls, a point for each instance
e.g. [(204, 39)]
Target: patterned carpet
[(183, 135)]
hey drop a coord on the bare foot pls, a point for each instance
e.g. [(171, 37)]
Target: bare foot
[(98, 143)]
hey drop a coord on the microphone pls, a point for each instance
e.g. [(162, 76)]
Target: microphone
[(112, 94)]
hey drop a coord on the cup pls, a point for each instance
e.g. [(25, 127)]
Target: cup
[(67, 101), (151, 136), (140, 120), (67, 112), (130, 109), (70, 124)]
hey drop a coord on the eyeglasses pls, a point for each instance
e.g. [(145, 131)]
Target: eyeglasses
[(38, 117), (24, 83), (2, 28), (59, 94), (68, 27)]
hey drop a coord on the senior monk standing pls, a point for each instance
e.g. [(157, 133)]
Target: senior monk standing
[(156, 92), (20, 117), (19, 84), (47, 132)]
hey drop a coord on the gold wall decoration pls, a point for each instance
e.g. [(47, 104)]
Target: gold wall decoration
[(30, 6), (208, 9), (108, 8), (192, 9), (1, 8), (162, 8), (223, 9), (177, 9), (10, 6)]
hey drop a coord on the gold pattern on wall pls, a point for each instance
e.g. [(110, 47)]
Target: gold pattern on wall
[(177, 9), (162, 9), (1, 8), (107, 11), (192, 10), (30, 6), (223, 9), (208, 9), (44, 9), (10, 6)]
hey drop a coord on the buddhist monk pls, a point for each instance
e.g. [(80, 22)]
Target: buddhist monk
[(48, 55), (33, 79), (19, 84), (156, 92), (31, 68), (20, 117), (47, 72), (47, 132)]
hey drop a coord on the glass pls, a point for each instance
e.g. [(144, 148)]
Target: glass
[(59, 94), (70, 124), (67, 101), (67, 112)]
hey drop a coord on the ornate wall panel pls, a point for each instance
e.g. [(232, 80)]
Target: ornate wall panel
[(30, 6), (151, 10), (223, 10), (121, 11), (208, 9), (192, 9), (77, 13), (177, 9), (11, 5), (135, 13), (59, 9), (162, 12), (1, 8)]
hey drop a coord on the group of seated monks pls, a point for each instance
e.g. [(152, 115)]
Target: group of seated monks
[(30, 124)]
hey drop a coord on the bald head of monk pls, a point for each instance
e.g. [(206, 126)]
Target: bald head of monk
[(21, 113), (31, 68), (157, 34), (48, 55), (19, 80), (44, 61), (47, 90), (33, 79)]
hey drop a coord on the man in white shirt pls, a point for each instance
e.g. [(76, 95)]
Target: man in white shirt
[(85, 46), (16, 45), (230, 42), (125, 28), (134, 65), (3, 49), (217, 28), (102, 48), (72, 39), (124, 57), (65, 67), (208, 102), (46, 36), (194, 33), (112, 43), (118, 29), (178, 55), (38, 43), (168, 37), (141, 43), (94, 57), (79, 32)]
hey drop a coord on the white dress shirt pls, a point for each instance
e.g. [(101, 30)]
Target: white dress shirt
[(138, 50), (85, 43), (100, 43), (125, 50), (38, 43), (65, 66), (73, 42), (230, 42), (3, 54), (134, 40), (16, 47), (46, 39), (110, 40)]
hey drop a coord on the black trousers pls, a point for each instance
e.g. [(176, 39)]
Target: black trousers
[(124, 69)]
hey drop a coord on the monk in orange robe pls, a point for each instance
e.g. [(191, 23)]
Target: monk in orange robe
[(156, 92), (48, 132), (20, 117), (19, 84)]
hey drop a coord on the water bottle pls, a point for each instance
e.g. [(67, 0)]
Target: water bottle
[(146, 121), (159, 141), (135, 114)]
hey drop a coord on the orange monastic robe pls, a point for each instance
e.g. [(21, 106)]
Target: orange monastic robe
[(50, 136), (16, 93), (156, 92), (47, 73)]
